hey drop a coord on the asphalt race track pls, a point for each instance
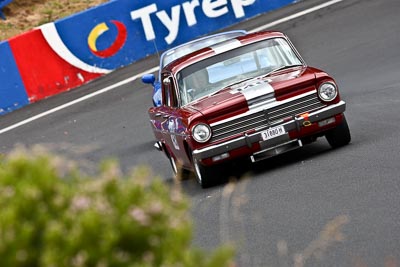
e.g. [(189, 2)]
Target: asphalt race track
[(285, 202)]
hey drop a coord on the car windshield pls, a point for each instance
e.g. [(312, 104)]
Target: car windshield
[(195, 45), (208, 76)]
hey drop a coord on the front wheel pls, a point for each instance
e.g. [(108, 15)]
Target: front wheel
[(177, 171), (339, 136), (204, 174), (173, 166)]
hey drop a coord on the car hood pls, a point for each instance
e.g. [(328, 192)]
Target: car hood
[(240, 98)]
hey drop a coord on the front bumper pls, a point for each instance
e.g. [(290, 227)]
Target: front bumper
[(273, 146)]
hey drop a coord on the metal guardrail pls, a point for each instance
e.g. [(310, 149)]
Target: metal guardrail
[(3, 3)]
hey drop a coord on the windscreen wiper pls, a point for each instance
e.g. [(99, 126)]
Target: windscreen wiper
[(282, 68)]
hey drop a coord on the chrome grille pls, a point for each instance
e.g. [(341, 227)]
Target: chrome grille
[(266, 117)]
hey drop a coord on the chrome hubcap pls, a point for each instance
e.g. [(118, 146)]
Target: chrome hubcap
[(197, 170), (173, 164)]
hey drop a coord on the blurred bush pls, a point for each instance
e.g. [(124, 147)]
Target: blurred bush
[(53, 216)]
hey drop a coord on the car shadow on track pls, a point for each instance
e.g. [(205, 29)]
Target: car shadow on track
[(244, 168)]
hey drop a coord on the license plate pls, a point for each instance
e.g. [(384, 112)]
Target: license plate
[(273, 132)]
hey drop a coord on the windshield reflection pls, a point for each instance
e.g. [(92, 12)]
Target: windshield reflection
[(215, 73)]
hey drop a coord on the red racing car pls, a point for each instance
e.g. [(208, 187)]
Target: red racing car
[(249, 96)]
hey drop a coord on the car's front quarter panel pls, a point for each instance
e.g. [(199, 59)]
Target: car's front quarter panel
[(172, 128)]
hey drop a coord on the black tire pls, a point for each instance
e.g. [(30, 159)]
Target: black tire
[(174, 167), (177, 171), (339, 136), (205, 175)]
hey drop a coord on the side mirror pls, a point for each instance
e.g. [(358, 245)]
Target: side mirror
[(148, 78)]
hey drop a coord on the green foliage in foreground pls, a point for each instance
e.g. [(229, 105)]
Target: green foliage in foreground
[(52, 217)]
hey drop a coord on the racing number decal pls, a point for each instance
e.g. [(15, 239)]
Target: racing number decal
[(172, 128)]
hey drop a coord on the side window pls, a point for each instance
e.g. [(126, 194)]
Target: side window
[(168, 89)]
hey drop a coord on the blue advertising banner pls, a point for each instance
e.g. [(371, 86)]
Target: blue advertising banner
[(112, 35), (123, 31), (12, 91)]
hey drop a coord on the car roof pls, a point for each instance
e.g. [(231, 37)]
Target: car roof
[(220, 47), (197, 44)]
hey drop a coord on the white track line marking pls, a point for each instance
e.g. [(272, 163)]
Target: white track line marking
[(297, 15), (111, 87)]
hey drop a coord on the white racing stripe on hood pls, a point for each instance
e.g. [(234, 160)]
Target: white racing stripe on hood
[(256, 92), (226, 46)]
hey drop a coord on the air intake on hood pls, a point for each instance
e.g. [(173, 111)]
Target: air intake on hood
[(255, 92)]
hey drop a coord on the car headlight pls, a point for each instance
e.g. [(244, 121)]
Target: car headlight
[(327, 91), (201, 132)]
